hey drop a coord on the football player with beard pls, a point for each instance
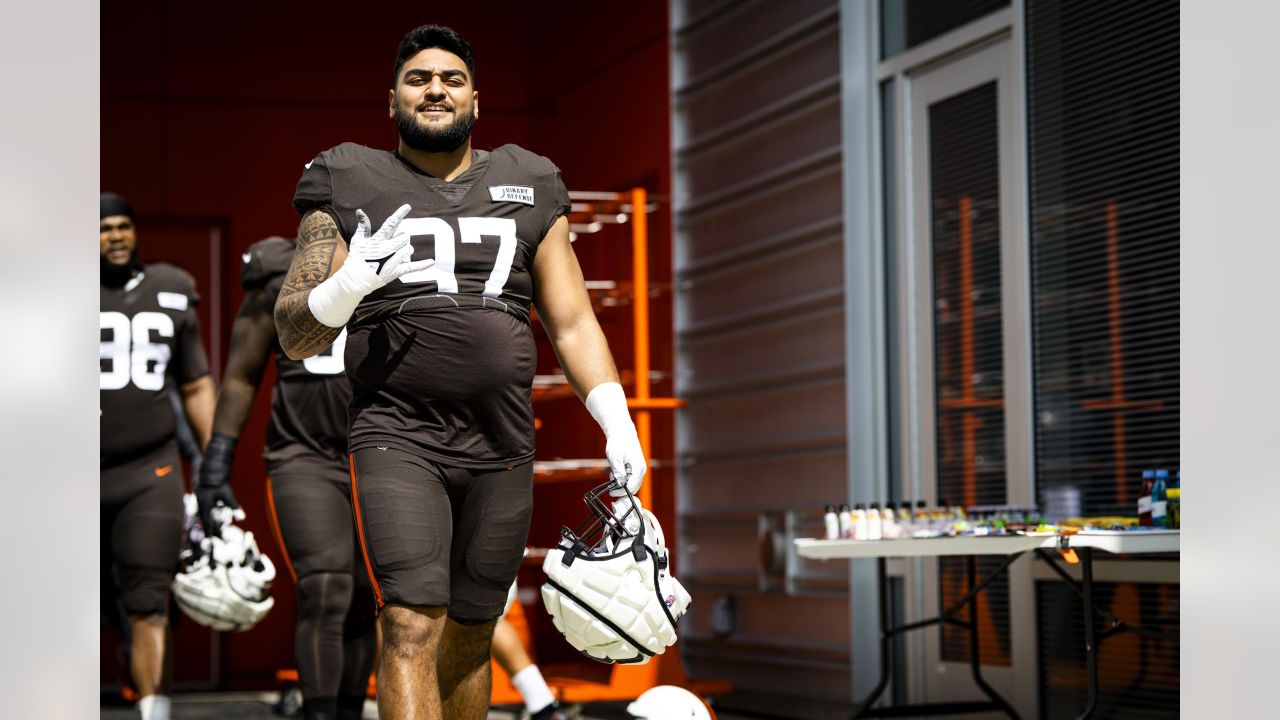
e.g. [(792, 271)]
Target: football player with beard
[(432, 256), (308, 488), (150, 345)]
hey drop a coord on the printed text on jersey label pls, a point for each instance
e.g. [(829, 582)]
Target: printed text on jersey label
[(512, 193)]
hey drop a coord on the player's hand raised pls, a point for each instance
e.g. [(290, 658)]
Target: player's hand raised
[(388, 251), (372, 262)]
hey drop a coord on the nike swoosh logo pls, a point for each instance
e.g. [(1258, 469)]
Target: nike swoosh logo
[(308, 165), (381, 262), (246, 257), (162, 471)]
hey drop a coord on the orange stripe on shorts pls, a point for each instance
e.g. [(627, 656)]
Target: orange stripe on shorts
[(274, 521), (364, 550)]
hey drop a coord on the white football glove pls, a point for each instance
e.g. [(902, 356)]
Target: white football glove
[(372, 262), (607, 403)]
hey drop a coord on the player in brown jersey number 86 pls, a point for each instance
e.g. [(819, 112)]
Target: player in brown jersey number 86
[(436, 303), (150, 348)]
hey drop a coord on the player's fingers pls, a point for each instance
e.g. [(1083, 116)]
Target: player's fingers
[(389, 227), (413, 266), (362, 223), (618, 473)]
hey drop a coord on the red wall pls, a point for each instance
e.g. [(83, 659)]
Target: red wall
[(209, 112)]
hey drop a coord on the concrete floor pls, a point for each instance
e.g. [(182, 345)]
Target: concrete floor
[(258, 706)]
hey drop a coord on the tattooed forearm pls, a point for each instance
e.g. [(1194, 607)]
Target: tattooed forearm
[(301, 335)]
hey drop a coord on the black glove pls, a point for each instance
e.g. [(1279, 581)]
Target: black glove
[(215, 481)]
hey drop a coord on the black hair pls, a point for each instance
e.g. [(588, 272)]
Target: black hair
[(112, 204), (433, 36)]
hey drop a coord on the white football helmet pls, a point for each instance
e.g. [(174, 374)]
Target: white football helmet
[(669, 702), (609, 590), (225, 582)]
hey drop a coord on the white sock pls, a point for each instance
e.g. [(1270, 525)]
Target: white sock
[(533, 688), (154, 707)]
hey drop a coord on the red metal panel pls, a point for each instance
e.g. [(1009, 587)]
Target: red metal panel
[(212, 113)]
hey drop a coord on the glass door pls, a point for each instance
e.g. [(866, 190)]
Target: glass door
[(962, 277)]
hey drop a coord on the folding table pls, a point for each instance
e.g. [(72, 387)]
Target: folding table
[(1046, 545)]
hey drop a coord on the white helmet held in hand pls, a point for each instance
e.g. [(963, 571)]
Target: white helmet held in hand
[(225, 582), (608, 589), (669, 702)]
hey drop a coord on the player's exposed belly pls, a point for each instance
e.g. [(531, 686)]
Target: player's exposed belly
[(460, 356)]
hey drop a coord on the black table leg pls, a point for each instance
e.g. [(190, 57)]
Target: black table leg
[(1090, 643), (888, 633), (975, 662)]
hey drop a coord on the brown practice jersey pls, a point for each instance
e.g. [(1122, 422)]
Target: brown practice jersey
[(149, 340), (308, 423), (441, 361)]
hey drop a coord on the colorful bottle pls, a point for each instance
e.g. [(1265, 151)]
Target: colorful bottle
[(1159, 500), (830, 523), (860, 525), (875, 529), (845, 522), (1144, 497), (938, 515)]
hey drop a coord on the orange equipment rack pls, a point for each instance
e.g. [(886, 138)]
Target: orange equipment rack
[(569, 682)]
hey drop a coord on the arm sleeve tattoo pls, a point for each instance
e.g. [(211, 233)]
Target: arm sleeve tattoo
[(301, 335)]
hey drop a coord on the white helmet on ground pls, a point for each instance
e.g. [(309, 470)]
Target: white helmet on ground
[(608, 589), (669, 702), (224, 583)]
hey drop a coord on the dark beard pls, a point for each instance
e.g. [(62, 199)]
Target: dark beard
[(434, 141), (117, 276)]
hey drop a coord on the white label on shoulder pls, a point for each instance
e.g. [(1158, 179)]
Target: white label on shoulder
[(134, 281), (246, 257), (511, 193), (173, 301)]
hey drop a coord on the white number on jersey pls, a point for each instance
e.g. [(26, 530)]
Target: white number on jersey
[(473, 229), (132, 354), (329, 363)]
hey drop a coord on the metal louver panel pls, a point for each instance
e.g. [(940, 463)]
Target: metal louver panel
[(1103, 133), (760, 344)]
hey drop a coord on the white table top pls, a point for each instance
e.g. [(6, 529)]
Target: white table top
[(1146, 541), (1121, 542)]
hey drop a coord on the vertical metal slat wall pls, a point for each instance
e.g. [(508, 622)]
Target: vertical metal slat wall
[(760, 342)]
